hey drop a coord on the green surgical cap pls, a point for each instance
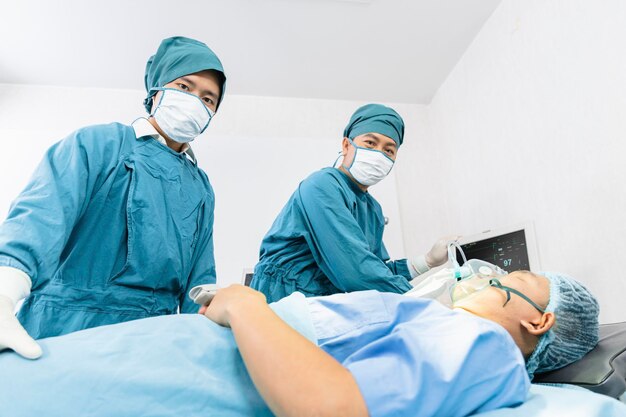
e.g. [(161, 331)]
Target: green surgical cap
[(177, 57), (376, 118), (575, 331)]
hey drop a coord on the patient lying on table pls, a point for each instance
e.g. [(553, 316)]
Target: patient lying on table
[(362, 353)]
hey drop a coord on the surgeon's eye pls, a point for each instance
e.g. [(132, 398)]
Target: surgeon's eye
[(208, 101), (370, 143), (390, 152), (183, 87)]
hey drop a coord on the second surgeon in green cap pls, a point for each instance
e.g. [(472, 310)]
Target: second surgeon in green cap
[(116, 223), (328, 238)]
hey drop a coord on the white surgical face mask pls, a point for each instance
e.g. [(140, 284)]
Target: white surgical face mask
[(369, 166), (181, 116)]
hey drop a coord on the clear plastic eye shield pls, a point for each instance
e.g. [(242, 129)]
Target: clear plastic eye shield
[(476, 275)]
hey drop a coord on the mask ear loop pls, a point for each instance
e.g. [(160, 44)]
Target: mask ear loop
[(341, 155)]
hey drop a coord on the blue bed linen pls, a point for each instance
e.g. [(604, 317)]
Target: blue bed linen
[(157, 367), (98, 372), (551, 401)]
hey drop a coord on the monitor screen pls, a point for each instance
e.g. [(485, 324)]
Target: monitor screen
[(509, 251)]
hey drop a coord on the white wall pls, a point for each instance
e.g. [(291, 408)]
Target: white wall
[(255, 152), (530, 126)]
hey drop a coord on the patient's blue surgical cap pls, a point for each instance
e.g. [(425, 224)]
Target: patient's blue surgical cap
[(177, 57), (575, 331), (376, 118)]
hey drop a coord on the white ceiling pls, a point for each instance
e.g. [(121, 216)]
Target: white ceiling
[(369, 50)]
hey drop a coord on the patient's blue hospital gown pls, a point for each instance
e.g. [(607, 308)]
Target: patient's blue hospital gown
[(111, 227), (328, 239), (409, 357)]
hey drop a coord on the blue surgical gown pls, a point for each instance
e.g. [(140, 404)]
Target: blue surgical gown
[(328, 239), (110, 228), (409, 357)]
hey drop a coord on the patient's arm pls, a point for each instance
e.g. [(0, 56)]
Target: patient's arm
[(294, 377)]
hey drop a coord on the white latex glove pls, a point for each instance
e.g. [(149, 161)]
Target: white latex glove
[(15, 285), (12, 334), (438, 255)]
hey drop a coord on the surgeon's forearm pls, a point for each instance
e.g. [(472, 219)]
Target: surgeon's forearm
[(295, 377)]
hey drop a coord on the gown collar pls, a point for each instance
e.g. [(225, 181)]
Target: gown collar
[(143, 127)]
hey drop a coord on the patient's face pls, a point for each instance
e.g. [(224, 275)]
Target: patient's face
[(494, 300)]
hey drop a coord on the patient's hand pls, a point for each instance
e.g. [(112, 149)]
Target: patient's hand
[(233, 300)]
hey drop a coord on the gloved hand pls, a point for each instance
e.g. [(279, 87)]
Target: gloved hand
[(15, 285), (12, 334), (438, 255)]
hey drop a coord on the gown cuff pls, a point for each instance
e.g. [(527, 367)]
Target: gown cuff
[(14, 283)]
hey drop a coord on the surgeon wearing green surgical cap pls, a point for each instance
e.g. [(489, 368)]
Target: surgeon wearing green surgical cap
[(328, 237), (116, 223)]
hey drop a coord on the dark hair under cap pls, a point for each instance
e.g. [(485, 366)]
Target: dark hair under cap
[(177, 57), (376, 118)]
